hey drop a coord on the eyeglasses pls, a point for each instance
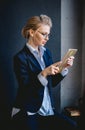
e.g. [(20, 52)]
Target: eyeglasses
[(44, 34)]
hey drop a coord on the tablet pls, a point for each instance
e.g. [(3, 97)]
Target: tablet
[(70, 52)]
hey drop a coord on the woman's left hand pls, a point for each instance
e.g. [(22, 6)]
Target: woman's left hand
[(69, 62)]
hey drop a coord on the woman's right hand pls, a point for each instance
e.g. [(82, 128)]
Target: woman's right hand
[(51, 70)]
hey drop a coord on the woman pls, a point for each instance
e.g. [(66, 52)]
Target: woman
[(36, 75)]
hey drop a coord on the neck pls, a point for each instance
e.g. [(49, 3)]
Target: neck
[(32, 44)]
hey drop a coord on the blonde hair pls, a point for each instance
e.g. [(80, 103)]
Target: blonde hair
[(34, 23)]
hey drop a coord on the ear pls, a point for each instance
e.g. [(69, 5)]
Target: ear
[(31, 32)]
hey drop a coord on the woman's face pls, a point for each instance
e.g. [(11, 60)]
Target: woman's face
[(41, 35)]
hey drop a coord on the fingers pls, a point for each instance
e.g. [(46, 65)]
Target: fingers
[(57, 63), (71, 57), (51, 70), (54, 70), (70, 61)]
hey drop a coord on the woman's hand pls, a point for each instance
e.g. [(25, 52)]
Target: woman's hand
[(54, 69), (51, 70), (69, 62)]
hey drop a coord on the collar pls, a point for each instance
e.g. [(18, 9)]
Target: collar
[(33, 50)]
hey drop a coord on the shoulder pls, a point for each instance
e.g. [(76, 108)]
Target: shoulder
[(21, 55)]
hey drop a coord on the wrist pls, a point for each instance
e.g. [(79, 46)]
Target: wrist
[(43, 73)]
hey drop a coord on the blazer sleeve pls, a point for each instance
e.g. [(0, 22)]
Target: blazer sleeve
[(56, 79)]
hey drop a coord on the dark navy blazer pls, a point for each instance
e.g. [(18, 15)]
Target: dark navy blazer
[(30, 91)]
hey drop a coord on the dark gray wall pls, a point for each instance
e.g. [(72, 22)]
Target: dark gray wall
[(13, 15)]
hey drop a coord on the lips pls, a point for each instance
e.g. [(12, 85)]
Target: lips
[(44, 43)]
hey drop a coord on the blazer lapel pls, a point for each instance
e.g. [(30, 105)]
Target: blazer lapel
[(31, 58), (46, 59)]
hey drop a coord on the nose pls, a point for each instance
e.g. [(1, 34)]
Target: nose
[(47, 38)]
